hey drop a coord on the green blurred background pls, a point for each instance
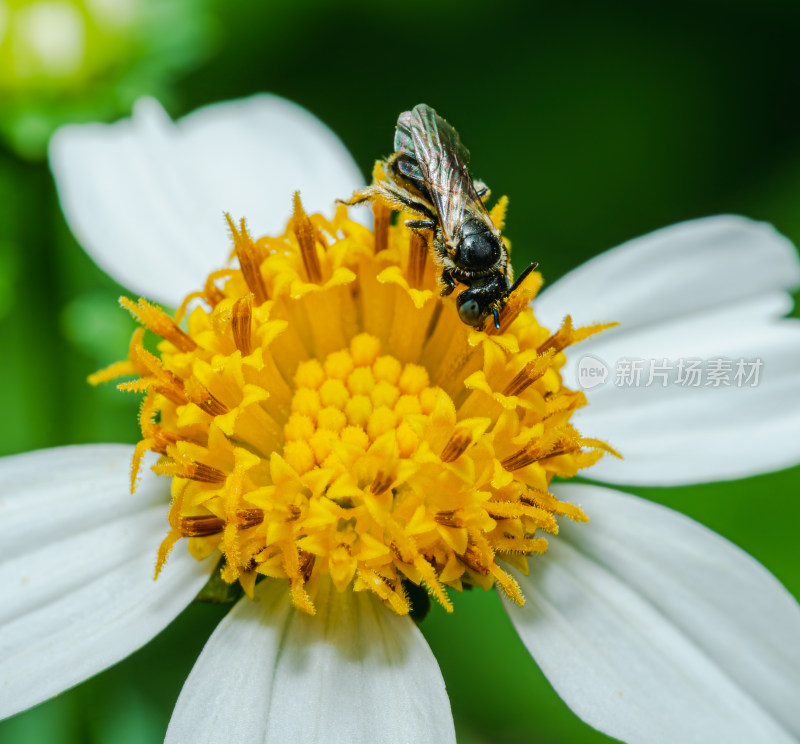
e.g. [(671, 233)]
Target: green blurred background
[(600, 121)]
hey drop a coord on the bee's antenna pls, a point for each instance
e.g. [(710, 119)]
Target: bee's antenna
[(496, 318), (522, 277)]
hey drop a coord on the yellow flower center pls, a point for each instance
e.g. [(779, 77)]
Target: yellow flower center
[(324, 413)]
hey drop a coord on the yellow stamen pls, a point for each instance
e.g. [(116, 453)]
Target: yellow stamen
[(241, 322), (321, 423), (250, 258), (304, 232), (418, 254), (530, 373), (382, 217), (156, 320)]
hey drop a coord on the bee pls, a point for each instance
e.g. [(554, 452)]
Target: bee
[(427, 174)]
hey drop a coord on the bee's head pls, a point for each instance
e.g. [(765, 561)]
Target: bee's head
[(475, 305)]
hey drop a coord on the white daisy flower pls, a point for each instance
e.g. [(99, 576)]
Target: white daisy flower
[(278, 449)]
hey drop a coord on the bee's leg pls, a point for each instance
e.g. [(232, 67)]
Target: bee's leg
[(521, 278), (482, 190), (390, 195), (400, 199), (414, 205), (358, 198), (421, 224), (368, 193), (448, 282)]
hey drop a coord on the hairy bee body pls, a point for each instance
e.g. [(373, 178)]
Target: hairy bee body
[(427, 175)]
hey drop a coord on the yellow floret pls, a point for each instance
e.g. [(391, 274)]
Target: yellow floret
[(324, 414)]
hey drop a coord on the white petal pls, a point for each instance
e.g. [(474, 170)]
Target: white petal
[(654, 629), (76, 568), (709, 289), (675, 271), (145, 196), (355, 673)]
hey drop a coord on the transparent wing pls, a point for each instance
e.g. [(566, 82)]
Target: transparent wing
[(421, 123), (431, 152)]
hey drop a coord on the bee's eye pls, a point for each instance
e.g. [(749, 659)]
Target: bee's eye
[(469, 310), (477, 251)]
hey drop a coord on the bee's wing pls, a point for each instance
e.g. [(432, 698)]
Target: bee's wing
[(431, 153), (422, 134)]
